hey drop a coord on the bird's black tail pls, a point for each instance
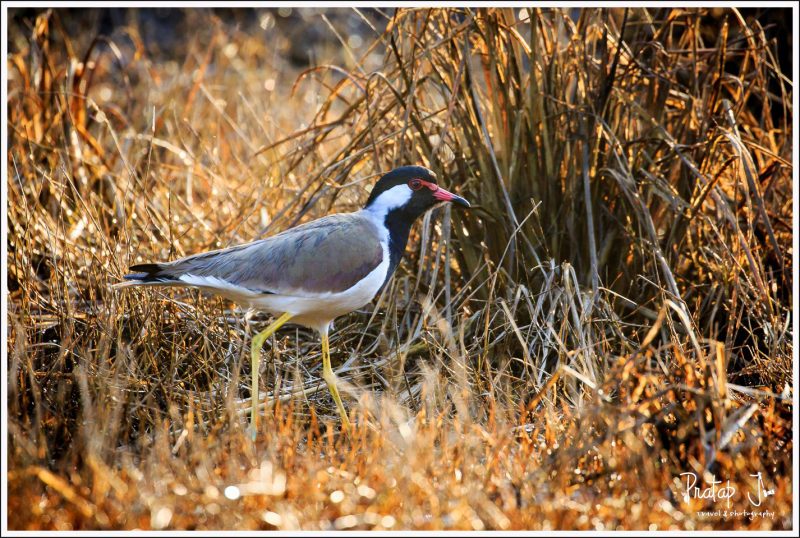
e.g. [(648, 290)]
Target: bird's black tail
[(145, 274)]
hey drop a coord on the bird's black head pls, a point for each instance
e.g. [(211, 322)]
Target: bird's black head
[(409, 190), (398, 198)]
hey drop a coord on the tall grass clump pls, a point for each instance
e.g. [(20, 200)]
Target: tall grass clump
[(614, 311)]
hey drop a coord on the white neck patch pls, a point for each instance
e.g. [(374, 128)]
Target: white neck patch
[(388, 200)]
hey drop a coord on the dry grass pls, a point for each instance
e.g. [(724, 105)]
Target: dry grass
[(614, 313)]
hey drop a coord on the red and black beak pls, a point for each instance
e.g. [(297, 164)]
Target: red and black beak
[(447, 196)]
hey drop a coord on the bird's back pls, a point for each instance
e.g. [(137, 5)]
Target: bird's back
[(327, 255)]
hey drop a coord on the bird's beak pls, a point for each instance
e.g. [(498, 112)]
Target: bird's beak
[(447, 196)]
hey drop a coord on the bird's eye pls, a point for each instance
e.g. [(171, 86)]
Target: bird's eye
[(415, 184)]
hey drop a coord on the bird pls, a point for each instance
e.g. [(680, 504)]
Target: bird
[(314, 272)]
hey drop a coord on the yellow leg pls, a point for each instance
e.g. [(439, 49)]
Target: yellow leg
[(255, 354), (330, 379)]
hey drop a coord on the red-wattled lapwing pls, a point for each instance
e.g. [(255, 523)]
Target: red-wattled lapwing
[(315, 272)]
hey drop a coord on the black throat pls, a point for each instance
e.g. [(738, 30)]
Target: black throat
[(398, 222)]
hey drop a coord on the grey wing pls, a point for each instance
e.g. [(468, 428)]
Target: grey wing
[(330, 254)]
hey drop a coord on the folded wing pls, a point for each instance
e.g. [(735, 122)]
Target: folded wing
[(328, 255)]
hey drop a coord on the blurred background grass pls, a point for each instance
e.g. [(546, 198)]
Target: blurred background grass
[(616, 310)]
